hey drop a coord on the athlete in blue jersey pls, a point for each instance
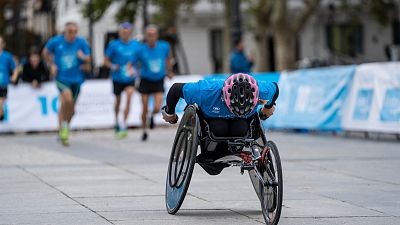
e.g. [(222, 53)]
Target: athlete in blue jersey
[(118, 57), (154, 58), (68, 55), (7, 68), (225, 104)]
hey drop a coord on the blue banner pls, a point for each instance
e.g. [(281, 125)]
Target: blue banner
[(312, 98)]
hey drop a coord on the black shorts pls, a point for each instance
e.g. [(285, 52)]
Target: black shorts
[(75, 88), (119, 87), (3, 92), (151, 87)]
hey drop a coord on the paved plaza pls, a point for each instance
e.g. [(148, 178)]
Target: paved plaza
[(99, 180)]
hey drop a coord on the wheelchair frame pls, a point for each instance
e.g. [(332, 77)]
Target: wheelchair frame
[(255, 158)]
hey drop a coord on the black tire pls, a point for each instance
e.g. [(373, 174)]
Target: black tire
[(271, 196), (182, 161)]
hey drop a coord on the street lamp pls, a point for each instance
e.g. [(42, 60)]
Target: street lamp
[(236, 21)]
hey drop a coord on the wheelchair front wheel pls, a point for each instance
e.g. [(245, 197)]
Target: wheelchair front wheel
[(182, 161)]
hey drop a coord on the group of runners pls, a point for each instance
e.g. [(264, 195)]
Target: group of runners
[(132, 64)]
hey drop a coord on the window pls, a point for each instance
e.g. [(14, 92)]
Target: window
[(345, 39)]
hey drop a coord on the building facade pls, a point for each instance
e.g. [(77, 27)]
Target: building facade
[(328, 38)]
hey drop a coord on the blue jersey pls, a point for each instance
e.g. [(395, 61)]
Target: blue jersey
[(66, 58), (239, 63), (120, 53), (7, 66), (207, 94), (153, 61)]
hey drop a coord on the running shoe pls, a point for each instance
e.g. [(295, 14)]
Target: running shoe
[(144, 136), (122, 133), (116, 128), (63, 135), (151, 122)]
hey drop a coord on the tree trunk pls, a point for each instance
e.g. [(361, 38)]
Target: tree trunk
[(285, 49), (262, 59), (227, 43)]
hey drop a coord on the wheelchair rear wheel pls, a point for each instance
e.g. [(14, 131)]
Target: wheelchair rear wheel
[(182, 160), (271, 194)]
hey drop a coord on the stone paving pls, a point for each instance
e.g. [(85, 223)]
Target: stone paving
[(100, 180)]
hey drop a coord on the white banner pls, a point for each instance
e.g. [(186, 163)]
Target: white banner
[(29, 109), (374, 101)]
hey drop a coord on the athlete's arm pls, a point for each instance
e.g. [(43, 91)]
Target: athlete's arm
[(109, 64), (268, 109), (83, 56), (48, 57), (173, 96), (15, 73), (168, 62)]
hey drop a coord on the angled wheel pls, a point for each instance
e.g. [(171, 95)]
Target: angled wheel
[(271, 194), (182, 160)]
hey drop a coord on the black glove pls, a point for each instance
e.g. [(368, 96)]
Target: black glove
[(261, 115), (165, 114)]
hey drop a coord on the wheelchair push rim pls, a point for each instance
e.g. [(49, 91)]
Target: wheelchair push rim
[(182, 160), (271, 195)]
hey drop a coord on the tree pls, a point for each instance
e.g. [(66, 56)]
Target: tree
[(285, 30), (261, 12), (95, 9), (274, 16)]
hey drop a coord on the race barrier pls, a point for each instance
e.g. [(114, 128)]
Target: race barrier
[(374, 100), (360, 98), (312, 98)]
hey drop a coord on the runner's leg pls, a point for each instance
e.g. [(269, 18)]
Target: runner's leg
[(158, 97), (67, 105), (145, 102), (129, 92), (116, 109), (2, 101)]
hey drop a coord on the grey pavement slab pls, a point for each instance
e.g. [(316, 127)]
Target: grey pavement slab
[(101, 180)]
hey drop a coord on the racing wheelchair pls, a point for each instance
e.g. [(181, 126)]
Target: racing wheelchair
[(252, 153)]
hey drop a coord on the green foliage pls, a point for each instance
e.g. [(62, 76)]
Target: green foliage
[(127, 11), (95, 9), (166, 15)]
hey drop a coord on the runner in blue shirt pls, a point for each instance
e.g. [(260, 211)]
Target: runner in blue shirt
[(154, 58), (7, 67), (118, 56), (68, 55)]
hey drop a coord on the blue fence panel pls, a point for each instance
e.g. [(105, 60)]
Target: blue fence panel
[(312, 98)]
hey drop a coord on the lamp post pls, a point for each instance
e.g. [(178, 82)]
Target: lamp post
[(236, 33), (145, 16)]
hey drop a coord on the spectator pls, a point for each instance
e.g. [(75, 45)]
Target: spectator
[(239, 62), (34, 70)]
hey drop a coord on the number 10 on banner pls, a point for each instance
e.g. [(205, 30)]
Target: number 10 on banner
[(48, 105)]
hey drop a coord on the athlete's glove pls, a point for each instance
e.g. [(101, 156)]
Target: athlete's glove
[(170, 118), (262, 115), (269, 110)]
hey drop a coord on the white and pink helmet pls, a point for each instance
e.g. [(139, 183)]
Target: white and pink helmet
[(240, 93)]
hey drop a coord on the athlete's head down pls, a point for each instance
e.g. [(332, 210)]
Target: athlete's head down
[(240, 93)]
